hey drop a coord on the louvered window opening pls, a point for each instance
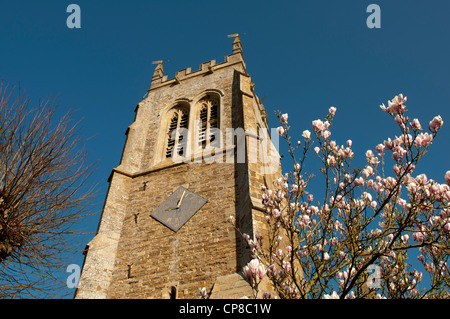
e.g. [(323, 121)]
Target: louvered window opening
[(180, 119), (209, 117)]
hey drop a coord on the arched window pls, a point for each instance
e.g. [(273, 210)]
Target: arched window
[(176, 137), (209, 122)]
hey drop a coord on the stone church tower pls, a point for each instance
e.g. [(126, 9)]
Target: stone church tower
[(192, 158)]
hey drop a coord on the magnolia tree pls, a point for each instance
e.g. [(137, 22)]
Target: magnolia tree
[(370, 229)]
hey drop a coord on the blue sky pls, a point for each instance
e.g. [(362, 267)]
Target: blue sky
[(305, 56)]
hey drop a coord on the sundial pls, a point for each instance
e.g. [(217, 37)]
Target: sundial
[(178, 208)]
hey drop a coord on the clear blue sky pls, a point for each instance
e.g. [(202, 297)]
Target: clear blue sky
[(304, 55)]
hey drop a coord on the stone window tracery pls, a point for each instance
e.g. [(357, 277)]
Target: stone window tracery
[(176, 140), (209, 122)]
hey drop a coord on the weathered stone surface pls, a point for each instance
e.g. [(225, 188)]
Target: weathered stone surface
[(232, 286), (135, 256)]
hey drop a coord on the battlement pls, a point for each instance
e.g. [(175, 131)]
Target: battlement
[(160, 80)]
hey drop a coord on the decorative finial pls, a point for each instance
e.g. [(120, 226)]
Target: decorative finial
[(237, 46), (234, 35), (159, 71)]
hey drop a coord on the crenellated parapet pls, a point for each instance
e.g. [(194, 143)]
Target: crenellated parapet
[(159, 79)]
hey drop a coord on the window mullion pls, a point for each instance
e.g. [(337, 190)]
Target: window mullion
[(208, 123)]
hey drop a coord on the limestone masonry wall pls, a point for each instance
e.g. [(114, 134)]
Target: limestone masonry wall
[(135, 256)]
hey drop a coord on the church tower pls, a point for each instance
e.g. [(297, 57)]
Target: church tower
[(196, 154)]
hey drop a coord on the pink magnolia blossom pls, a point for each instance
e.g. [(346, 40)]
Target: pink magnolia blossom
[(423, 139), (358, 181), (374, 161), (436, 123), (446, 228), (399, 121), (253, 265), (405, 238), (306, 220), (254, 270), (280, 130), (247, 273), (342, 154), (389, 182), (418, 236), (396, 156), (261, 271), (331, 160), (380, 148), (318, 125), (396, 105), (415, 124), (326, 134), (306, 134), (402, 202), (302, 253), (366, 196), (203, 292), (276, 213), (348, 152), (368, 171), (378, 187), (422, 179), (286, 266), (389, 144), (404, 139), (289, 212), (294, 188)]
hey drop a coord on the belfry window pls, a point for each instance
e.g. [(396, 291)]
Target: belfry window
[(209, 122), (176, 136)]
